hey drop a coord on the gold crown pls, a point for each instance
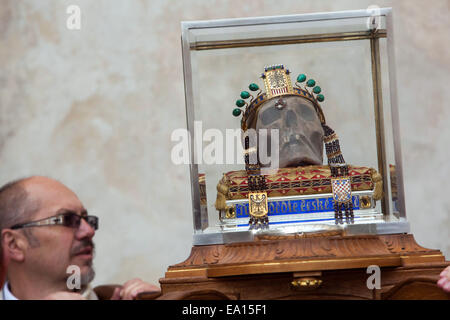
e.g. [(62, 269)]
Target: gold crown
[(277, 82)]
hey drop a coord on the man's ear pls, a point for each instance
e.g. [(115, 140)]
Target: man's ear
[(14, 245)]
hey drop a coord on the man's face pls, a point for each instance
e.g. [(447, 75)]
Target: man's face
[(53, 248), (300, 130)]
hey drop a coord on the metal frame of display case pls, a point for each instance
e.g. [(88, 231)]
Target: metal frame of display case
[(200, 219)]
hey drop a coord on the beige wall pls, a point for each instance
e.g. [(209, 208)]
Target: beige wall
[(95, 108)]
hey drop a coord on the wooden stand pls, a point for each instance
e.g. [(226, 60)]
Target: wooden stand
[(324, 266)]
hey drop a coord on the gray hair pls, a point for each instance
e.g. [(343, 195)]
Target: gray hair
[(16, 207)]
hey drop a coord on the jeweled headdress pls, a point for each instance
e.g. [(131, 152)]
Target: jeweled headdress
[(277, 83)]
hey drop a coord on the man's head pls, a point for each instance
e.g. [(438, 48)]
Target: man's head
[(300, 132), (288, 121), (43, 253)]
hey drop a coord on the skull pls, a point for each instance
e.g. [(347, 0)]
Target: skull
[(300, 130)]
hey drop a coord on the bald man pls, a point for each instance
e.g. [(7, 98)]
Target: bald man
[(45, 229), (3, 266)]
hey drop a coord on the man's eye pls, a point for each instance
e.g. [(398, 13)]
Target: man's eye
[(270, 115)]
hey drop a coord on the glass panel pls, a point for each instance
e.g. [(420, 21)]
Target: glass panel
[(342, 59), (288, 31)]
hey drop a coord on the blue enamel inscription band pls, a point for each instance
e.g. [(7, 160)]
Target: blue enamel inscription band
[(301, 209), (300, 206)]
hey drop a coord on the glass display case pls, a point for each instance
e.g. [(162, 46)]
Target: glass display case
[(343, 64)]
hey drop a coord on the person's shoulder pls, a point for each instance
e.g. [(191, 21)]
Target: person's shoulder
[(89, 293)]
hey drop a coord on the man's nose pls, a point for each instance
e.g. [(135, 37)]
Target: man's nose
[(290, 119), (85, 230)]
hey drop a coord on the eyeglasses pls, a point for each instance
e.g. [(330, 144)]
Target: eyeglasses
[(67, 219)]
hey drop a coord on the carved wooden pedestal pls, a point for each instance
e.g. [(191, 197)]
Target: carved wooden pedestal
[(315, 267)]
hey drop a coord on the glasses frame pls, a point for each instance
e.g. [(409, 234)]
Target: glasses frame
[(58, 220)]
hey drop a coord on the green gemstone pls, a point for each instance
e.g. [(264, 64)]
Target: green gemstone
[(245, 94), (311, 83), (240, 103), (317, 89), (320, 97), (301, 77), (236, 112), (253, 87)]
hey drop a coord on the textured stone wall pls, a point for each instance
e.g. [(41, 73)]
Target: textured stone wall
[(95, 108)]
